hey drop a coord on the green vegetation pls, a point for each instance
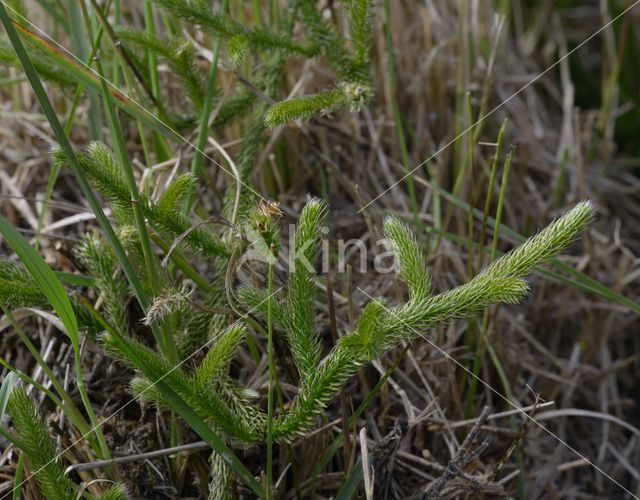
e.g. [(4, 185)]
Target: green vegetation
[(229, 351)]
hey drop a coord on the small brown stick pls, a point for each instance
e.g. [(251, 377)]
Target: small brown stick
[(462, 457), (515, 442), (384, 461), (436, 425), (197, 446)]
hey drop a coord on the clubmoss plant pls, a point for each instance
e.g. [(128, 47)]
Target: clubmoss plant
[(348, 58), (231, 409), (379, 328), (382, 327), (17, 287), (32, 438), (353, 89), (202, 388)]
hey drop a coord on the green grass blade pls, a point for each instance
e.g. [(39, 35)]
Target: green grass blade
[(81, 73), (81, 47), (473, 382), (59, 300), (71, 116), (272, 377), (490, 187), (65, 145), (75, 279), (162, 335), (6, 388), (17, 482), (203, 131), (350, 486), (44, 276), (28, 380)]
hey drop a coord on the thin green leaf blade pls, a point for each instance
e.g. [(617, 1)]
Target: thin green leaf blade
[(6, 388), (44, 276), (350, 486)]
